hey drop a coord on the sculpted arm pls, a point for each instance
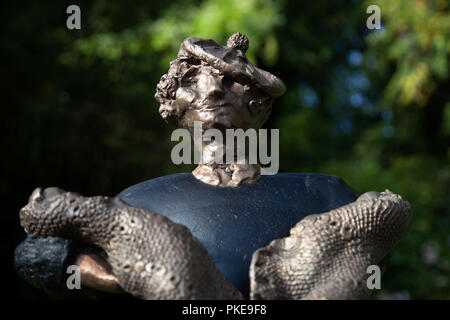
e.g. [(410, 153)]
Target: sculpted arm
[(326, 255)]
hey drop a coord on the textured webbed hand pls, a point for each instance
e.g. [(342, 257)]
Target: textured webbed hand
[(151, 256), (327, 255)]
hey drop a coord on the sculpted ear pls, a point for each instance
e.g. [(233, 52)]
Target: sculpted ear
[(168, 113)]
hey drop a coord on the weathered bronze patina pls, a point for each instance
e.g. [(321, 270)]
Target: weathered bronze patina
[(219, 87)]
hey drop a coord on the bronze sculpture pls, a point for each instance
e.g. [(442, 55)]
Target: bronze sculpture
[(218, 86), (152, 257)]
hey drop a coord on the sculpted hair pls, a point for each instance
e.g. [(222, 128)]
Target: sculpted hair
[(180, 71)]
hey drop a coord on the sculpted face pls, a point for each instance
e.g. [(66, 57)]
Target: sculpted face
[(220, 101), (218, 87)]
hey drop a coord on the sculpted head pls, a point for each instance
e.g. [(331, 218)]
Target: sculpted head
[(216, 85)]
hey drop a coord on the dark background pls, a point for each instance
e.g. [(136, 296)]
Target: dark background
[(370, 106)]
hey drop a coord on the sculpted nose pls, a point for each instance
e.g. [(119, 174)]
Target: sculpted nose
[(215, 88), (216, 92)]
